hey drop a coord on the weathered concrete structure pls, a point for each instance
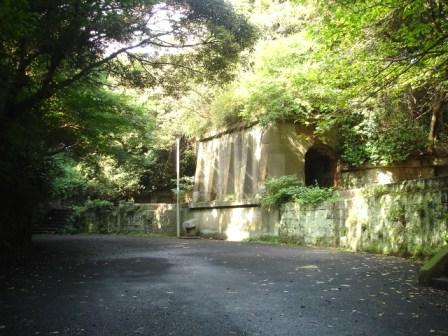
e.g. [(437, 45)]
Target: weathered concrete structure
[(425, 167), (232, 167)]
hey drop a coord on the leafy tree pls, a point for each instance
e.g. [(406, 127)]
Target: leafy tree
[(47, 46), (52, 53), (281, 81), (103, 139), (389, 51), (355, 67)]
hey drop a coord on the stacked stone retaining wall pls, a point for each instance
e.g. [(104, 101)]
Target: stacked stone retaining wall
[(406, 218), (130, 217)]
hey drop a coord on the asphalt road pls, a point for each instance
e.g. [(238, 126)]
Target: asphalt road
[(112, 285)]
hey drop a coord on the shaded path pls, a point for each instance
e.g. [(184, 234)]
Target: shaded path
[(110, 285)]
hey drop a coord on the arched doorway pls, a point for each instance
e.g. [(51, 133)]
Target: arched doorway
[(320, 166)]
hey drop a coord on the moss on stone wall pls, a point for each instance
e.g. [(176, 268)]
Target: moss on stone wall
[(408, 219), (127, 217)]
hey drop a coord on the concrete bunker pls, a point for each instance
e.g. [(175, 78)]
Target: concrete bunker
[(232, 167), (320, 166)]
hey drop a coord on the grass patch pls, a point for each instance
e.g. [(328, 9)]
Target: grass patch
[(275, 240), (150, 234)]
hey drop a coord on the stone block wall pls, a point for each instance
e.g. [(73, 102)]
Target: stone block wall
[(423, 168), (311, 226), (406, 218), (130, 217)]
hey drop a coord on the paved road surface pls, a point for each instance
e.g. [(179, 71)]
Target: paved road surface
[(111, 285)]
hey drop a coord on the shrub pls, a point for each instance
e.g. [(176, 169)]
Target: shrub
[(278, 190), (314, 195), (92, 216), (284, 189), (186, 184)]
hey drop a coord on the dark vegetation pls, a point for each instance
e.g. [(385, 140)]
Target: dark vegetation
[(68, 125)]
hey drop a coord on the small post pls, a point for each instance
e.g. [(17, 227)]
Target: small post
[(178, 186)]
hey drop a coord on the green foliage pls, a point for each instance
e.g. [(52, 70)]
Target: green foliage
[(353, 141), (269, 239), (92, 216), (280, 190), (111, 178), (277, 190), (357, 68), (225, 107), (397, 214), (271, 100), (379, 140), (58, 61), (97, 205), (159, 170), (314, 195), (388, 54), (395, 141), (54, 44), (186, 184), (90, 118), (267, 87), (407, 37), (68, 185), (99, 144)]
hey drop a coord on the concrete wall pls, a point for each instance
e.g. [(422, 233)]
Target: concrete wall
[(233, 165), (406, 218), (231, 169), (357, 177), (130, 217), (234, 221)]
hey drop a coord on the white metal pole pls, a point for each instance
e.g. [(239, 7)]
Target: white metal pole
[(177, 186)]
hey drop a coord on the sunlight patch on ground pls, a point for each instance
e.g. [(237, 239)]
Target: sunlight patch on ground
[(308, 267)]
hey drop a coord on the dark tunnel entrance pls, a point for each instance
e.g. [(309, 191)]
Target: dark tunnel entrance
[(320, 166)]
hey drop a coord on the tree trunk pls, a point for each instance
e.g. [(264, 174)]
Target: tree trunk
[(435, 126)]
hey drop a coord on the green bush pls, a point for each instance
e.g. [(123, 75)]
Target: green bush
[(314, 195), (98, 205), (186, 184), (91, 217), (379, 139), (277, 190), (284, 189)]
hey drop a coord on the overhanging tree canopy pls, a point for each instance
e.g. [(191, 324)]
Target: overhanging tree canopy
[(394, 48), (48, 46)]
